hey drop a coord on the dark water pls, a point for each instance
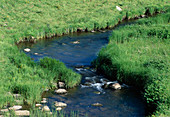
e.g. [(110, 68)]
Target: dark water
[(126, 102)]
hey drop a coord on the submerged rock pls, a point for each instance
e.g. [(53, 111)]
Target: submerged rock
[(60, 104), (60, 91), (17, 107), (27, 50), (22, 113), (97, 104), (76, 42), (45, 108), (116, 86)]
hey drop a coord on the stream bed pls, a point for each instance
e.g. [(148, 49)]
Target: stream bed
[(77, 51)]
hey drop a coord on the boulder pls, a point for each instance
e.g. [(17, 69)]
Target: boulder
[(27, 50), (17, 107), (60, 91), (22, 113), (61, 84), (116, 86), (97, 104), (46, 108), (60, 104)]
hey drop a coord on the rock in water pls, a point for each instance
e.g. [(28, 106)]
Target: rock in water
[(22, 113), (60, 91), (46, 108), (116, 86), (61, 84), (60, 104), (58, 108), (27, 50), (15, 108), (38, 105), (118, 8), (97, 104)]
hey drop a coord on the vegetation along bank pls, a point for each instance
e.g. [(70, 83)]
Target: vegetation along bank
[(138, 55), (35, 19)]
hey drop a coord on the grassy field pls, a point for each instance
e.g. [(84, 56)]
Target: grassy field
[(138, 55), (34, 19)]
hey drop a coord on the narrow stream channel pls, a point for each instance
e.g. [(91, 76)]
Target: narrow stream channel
[(77, 51)]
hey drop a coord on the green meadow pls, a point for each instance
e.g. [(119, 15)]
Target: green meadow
[(136, 54)]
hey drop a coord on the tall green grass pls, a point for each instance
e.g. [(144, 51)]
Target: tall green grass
[(34, 19), (138, 55)]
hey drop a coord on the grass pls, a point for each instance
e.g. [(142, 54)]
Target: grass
[(35, 19), (138, 55)]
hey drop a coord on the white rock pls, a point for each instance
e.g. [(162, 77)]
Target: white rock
[(58, 108), (15, 107), (118, 8), (97, 104), (38, 105), (76, 42), (61, 84), (44, 101), (116, 86), (4, 110), (36, 53), (27, 50), (60, 104), (60, 91), (46, 108), (22, 113)]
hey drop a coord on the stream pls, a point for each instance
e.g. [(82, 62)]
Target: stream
[(77, 51)]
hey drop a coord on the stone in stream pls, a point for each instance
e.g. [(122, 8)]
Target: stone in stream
[(60, 91), (46, 108), (4, 110), (58, 108), (60, 104), (97, 104), (35, 53), (38, 105), (16, 107), (116, 86), (44, 101), (61, 84), (22, 113), (27, 50)]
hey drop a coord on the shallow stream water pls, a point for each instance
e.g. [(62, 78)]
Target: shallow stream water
[(77, 51)]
